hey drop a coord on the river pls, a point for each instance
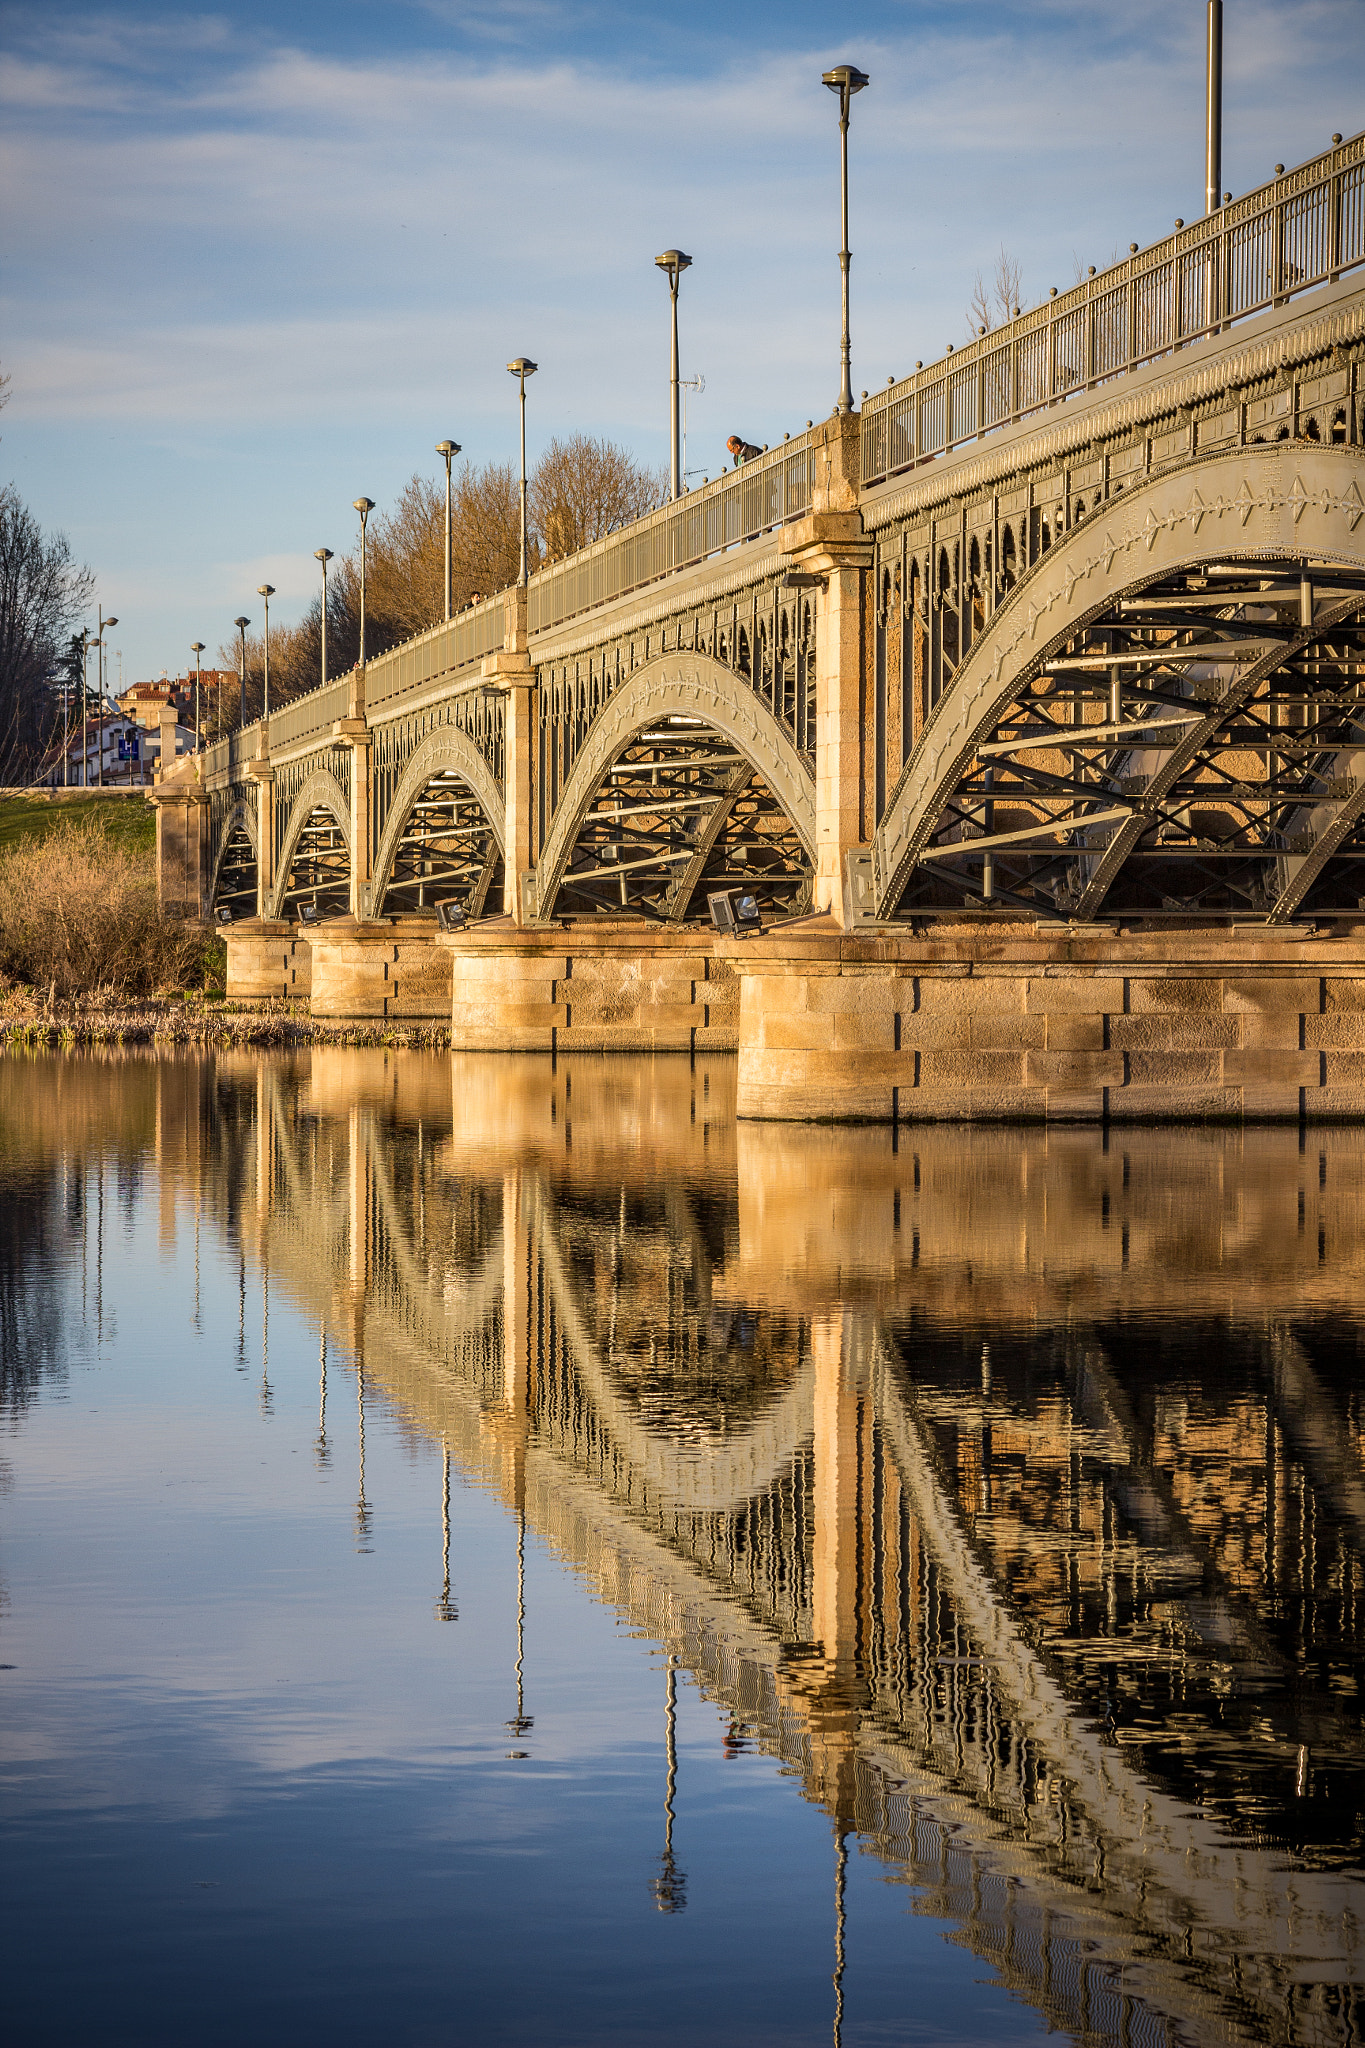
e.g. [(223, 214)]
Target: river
[(497, 1551)]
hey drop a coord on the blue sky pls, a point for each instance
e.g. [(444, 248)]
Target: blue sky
[(258, 260)]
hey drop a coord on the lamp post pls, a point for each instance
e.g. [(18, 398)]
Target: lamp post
[(448, 449), (85, 708), (845, 79), (522, 368), (323, 555), (196, 649), (364, 506), (1213, 110), (241, 624), (99, 689), (266, 591), (673, 263)]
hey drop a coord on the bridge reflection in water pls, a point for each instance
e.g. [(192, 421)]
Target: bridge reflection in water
[(1008, 1485)]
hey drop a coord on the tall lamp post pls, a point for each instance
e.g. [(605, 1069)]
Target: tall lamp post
[(364, 506), (449, 449), (521, 368), (85, 707), (323, 555), (241, 624), (1213, 111), (266, 591), (845, 79), (99, 690), (673, 263), (196, 649)]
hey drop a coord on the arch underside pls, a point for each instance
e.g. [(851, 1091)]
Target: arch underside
[(1193, 747), (319, 866), (688, 785), (235, 876), (445, 851)]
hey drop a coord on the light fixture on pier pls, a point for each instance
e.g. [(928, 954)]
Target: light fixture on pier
[(673, 263), (735, 913), (521, 367), (323, 555), (845, 79), (364, 506), (266, 591), (450, 916), (449, 449)]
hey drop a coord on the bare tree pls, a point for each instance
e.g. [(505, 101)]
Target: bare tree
[(996, 299), (42, 594), (584, 488)]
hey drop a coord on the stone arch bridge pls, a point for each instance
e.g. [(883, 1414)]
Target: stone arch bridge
[(1065, 627)]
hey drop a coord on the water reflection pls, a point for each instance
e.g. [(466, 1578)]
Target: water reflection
[(1008, 1486)]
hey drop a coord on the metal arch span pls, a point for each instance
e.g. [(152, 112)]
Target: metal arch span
[(320, 792), (241, 814), (1287, 502), (680, 685), (447, 750)]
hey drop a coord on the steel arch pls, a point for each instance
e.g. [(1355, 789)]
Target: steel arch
[(1287, 500), (685, 685), (242, 814), (448, 748), (319, 791)]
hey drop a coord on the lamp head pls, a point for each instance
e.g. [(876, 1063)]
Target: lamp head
[(196, 647), (241, 624), (322, 554), (110, 622), (846, 79), (673, 263), (364, 506), (265, 590), (447, 448), (523, 367)]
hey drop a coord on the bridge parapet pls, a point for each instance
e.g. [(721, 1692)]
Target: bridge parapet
[(1301, 230)]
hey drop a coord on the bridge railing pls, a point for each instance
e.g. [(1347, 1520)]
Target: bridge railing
[(441, 650), (738, 506), (1301, 230)]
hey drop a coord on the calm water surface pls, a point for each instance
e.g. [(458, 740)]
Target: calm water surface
[(493, 1553)]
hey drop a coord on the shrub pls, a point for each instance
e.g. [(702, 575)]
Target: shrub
[(78, 912)]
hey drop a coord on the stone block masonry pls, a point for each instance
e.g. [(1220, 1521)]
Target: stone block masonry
[(989, 1021)]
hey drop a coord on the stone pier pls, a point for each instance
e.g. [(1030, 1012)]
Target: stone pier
[(1022, 1022)]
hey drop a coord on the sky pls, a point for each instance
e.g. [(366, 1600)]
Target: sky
[(255, 261)]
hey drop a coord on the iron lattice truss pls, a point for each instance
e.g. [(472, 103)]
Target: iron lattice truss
[(235, 888), (320, 871), (1197, 749), (447, 852), (680, 813)]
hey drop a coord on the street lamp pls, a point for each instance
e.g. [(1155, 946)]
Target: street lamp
[(266, 591), (323, 555), (673, 263), (241, 624), (364, 506), (522, 368), (85, 707), (845, 79), (196, 649), (99, 689), (448, 449)]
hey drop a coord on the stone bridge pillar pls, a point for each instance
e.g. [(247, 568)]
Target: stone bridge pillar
[(181, 849), (354, 732), (510, 671), (829, 549)]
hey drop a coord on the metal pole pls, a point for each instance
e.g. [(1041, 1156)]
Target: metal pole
[(241, 624), (85, 709), (323, 555), (1213, 111), (266, 591), (521, 368), (364, 506), (448, 448), (99, 703), (673, 263), (197, 648), (845, 79)]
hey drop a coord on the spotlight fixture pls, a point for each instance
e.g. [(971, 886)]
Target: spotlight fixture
[(735, 914), (309, 913), (450, 916)]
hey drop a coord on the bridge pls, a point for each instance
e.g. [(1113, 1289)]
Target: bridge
[(1064, 628), (942, 1585)]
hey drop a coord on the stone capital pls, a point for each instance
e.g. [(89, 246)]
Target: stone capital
[(353, 731), (508, 668), (515, 617), (260, 771), (824, 541)]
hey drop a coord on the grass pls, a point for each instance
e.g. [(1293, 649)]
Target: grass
[(127, 820)]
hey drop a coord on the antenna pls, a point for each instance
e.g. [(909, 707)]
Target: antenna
[(697, 384)]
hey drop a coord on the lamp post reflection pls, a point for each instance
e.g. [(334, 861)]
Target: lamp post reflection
[(446, 1609), (323, 1448), (670, 1886), (840, 1926), (521, 1722), (362, 1506)]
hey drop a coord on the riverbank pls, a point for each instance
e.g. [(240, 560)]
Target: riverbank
[(29, 1021)]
